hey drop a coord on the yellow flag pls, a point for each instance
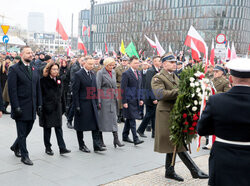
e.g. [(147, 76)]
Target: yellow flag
[(122, 48)]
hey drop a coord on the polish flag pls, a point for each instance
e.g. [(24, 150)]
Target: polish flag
[(81, 46), (151, 42), (228, 51), (212, 54), (84, 28), (106, 48), (195, 52), (233, 52), (199, 43), (159, 48), (61, 31), (69, 51)]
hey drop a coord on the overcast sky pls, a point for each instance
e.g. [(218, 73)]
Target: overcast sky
[(17, 11)]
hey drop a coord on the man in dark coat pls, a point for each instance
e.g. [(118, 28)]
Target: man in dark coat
[(150, 100), (86, 105), (25, 98), (227, 116), (131, 100)]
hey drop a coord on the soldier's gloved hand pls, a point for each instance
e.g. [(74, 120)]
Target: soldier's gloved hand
[(39, 110), (18, 112), (78, 110)]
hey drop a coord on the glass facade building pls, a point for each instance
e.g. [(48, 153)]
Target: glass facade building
[(170, 20)]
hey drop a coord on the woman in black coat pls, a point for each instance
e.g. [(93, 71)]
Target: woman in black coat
[(52, 99)]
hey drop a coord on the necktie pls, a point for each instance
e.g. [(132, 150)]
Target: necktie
[(136, 74), (89, 74), (29, 70)]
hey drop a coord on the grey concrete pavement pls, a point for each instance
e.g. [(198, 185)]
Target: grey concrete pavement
[(76, 168)]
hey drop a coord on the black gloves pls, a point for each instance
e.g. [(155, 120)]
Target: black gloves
[(18, 112), (39, 110), (78, 110)]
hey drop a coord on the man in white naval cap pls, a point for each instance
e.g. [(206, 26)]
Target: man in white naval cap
[(227, 116)]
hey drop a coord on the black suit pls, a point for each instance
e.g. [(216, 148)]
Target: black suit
[(227, 116), (149, 98), (132, 95), (85, 97), (24, 92)]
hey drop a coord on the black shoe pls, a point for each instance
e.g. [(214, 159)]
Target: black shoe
[(96, 149), (127, 140), (64, 151), (49, 152), (199, 174), (137, 142), (69, 125), (141, 134), (84, 148), (170, 173), (26, 161), (16, 152)]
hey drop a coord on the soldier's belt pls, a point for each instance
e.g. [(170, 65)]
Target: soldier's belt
[(232, 142)]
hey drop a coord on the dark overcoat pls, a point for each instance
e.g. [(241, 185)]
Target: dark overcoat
[(227, 116), (132, 94), (1, 100), (85, 97), (52, 99), (149, 95), (24, 91)]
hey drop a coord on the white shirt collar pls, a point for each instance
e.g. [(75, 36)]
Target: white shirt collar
[(239, 85), (133, 69), (85, 70)]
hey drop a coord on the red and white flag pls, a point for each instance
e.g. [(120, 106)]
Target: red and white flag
[(233, 52), (61, 31), (199, 43), (84, 28), (106, 48), (195, 52), (212, 54), (81, 46), (151, 42), (159, 48), (69, 51), (228, 56)]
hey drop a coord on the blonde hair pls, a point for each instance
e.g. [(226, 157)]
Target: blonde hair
[(108, 60)]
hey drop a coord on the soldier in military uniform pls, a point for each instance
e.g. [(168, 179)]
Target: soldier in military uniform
[(165, 87), (210, 74), (227, 116), (221, 84), (97, 65), (119, 70)]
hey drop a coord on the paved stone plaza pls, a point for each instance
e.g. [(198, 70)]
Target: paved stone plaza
[(76, 168)]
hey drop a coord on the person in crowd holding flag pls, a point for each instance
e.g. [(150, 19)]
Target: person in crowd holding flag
[(150, 100), (118, 71), (132, 99), (53, 107), (165, 88), (107, 99), (86, 105), (227, 116), (25, 99)]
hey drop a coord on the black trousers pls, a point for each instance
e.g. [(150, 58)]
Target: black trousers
[(150, 115), (95, 136), (130, 124), (59, 137), (23, 130)]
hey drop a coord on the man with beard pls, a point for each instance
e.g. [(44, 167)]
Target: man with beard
[(25, 100)]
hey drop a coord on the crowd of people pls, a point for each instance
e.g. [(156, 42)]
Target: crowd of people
[(96, 94)]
